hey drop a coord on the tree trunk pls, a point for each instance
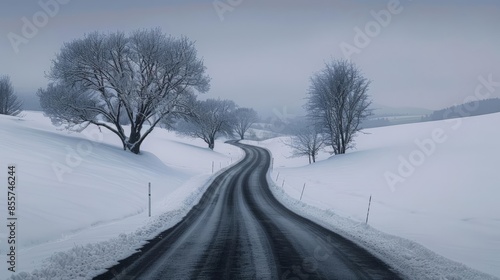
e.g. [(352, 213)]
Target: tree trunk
[(241, 135), (134, 144), (136, 149), (211, 142)]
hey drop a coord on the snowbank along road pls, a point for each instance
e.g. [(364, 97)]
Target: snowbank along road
[(239, 231)]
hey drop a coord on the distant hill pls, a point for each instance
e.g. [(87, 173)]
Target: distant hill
[(387, 111), (386, 115), (474, 108)]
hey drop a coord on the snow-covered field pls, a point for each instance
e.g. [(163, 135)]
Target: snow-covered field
[(435, 183), (76, 189), (82, 201)]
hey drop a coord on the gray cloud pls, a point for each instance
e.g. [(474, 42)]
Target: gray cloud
[(263, 52)]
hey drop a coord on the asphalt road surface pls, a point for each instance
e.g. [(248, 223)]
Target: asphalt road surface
[(240, 231)]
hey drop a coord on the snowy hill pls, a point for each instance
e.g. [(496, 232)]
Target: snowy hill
[(83, 201), (436, 183), (75, 189)]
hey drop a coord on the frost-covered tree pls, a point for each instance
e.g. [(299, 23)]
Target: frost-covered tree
[(9, 103), (208, 120), (113, 79), (338, 102), (306, 140), (243, 119)]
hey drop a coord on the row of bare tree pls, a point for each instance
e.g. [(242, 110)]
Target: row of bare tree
[(141, 80), (148, 79), (212, 118)]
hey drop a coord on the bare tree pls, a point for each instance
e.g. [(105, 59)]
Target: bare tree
[(9, 103), (208, 120), (338, 102), (243, 119), (112, 79), (306, 140)]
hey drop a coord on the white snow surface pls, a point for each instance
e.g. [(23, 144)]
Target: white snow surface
[(439, 220), (82, 202)]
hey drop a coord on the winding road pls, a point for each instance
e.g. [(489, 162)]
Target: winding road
[(240, 231)]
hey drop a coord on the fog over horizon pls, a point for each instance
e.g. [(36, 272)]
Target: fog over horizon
[(261, 54)]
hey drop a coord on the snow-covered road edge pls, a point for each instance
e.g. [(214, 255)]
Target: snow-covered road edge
[(86, 262), (408, 258)]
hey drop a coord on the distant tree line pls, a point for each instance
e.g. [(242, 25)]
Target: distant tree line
[(474, 108), (376, 122)]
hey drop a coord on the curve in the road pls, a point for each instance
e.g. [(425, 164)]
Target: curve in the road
[(240, 231)]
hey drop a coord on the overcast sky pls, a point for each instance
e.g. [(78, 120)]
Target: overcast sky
[(261, 53)]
